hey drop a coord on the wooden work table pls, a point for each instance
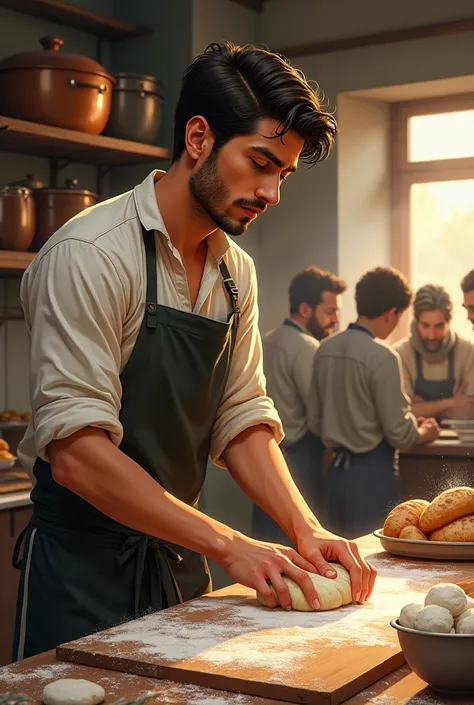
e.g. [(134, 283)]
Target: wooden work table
[(400, 687), (427, 470)]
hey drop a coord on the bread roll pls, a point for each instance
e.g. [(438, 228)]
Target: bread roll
[(403, 515), (412, 533), (447, 507), (458, 530)]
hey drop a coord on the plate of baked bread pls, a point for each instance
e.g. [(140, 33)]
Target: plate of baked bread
[(442, 529)]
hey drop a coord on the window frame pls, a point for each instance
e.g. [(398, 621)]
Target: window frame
[(405, 173)]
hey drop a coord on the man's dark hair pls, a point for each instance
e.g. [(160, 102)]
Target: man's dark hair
[(309, 286), (467, 283), (234, 87), (380, 290)]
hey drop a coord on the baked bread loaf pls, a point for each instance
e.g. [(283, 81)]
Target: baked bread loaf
[(403, 515), (446, 508), (458, 530), (412, 533)]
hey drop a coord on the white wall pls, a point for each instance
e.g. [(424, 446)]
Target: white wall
[(216, 20), (304, 229), (363, 192)]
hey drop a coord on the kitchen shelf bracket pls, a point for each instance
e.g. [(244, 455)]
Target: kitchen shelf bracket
[(55, 167)]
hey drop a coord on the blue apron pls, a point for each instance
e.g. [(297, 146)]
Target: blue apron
[(305, 462), (434, 389), (361, 488)]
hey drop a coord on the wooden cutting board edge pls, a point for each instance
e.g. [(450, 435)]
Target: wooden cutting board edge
[(229, 683)]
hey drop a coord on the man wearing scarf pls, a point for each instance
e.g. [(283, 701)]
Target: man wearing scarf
[(438, 365)]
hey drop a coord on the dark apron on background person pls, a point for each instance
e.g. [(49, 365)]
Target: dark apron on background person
[(361, 488), (305, 462), (82, 571), (434, 389)]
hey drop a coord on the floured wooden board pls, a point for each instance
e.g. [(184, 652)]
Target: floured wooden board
[(229, 642), (30, 676)]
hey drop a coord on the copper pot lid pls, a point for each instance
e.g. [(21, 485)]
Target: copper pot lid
[(53, 58), (69, 187), (15, 190)]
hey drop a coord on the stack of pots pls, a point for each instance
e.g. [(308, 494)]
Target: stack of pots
[(30, 213), (55, 88), (136, 108)]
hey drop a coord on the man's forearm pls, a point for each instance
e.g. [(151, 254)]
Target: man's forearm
[(88, 464), (257, 465), (430, 409)]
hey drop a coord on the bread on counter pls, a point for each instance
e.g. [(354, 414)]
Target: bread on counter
[(449, 517)]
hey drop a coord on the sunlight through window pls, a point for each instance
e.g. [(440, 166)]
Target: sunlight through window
[(441, 136)]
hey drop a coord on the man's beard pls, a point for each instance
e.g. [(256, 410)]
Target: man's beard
[(208, 189), (317, 330), (434, 345)]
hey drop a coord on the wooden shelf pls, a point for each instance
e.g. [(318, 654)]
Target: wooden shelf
[(71, 15), (13, 264), (33, 138)]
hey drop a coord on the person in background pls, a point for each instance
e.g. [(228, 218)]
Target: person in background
[(357, 407), (288, 352), (467, 286), (438, 365)]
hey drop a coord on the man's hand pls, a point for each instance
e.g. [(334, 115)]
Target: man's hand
[(428, 431), (256, 564), (319, 546)]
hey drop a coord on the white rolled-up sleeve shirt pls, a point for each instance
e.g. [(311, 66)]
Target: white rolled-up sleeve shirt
[(83, 299)]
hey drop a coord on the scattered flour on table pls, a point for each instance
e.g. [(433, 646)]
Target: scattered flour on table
[(10, 675), (238, 632)]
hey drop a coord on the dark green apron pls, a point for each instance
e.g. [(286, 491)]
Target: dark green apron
[(80, 570)]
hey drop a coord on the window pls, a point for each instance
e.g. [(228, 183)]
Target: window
[(433, 195)]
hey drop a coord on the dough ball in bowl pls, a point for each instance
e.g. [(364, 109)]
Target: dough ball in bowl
[(447, 595), (403, 515), (466, 626), (434, 619), (408, 614), (413, 534), (462, 616)]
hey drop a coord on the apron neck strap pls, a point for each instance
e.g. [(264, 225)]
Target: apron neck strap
[(232, 292)]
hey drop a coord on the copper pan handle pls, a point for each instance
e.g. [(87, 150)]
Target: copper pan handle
[(102, 88)]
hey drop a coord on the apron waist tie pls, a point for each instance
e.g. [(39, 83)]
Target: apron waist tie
[(143, 548)]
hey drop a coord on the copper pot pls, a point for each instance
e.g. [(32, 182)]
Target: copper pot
[(17, 218), (64, 90), (55, 206)]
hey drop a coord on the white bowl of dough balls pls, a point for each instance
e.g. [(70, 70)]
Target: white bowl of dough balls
[(437, 638), (449, 517)]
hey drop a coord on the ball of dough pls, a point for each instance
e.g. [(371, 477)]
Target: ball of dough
[(434, 619), (408, 614), (466, 626), (467, 613), (332, 592), (446, 507), (461, 530), (447, 595), (412, 533), (403, 515), (73, 691)]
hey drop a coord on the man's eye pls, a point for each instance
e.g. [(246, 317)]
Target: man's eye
[(259, 167)]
